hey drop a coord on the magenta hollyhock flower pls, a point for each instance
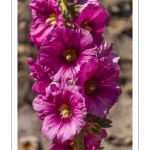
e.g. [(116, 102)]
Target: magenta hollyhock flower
[(63, 113), (65, 50), (91, 142), (46, 16), (42, 104), (98, 81), (104, 50), (41, 75), (58, 145), (94, 19)]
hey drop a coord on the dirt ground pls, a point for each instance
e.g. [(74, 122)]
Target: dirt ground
[(119, 32)]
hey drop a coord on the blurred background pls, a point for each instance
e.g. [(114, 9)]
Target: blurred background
[(118, 31)]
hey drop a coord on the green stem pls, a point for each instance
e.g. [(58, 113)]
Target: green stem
[(80, 141), (63, 7)]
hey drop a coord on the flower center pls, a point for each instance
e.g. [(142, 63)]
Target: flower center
[(65, 111), (70, 55), (90, 86), (52, 19), (86, 26)]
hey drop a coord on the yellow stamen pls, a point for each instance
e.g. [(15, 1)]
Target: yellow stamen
[(52, 19), (65, 111), (68, 57)]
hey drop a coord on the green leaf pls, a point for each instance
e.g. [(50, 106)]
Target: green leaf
[(77, 7), (95, 129), (102, 122), (63, 7), (68, 11), (72, 9)]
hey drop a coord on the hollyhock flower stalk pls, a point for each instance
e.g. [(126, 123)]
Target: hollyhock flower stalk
[(75, 72)]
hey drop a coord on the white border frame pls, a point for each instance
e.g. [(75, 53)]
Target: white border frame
[(8, 62)]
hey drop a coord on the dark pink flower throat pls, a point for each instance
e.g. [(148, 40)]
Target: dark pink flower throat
[(86, 26), (90, 86), (70, 55)]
